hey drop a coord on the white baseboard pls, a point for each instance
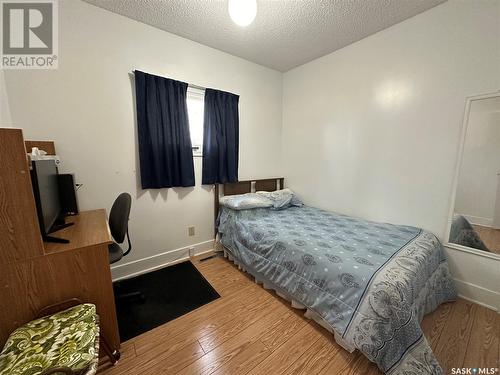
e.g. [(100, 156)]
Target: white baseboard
[(481, 296), (478, 220), (157, 261)]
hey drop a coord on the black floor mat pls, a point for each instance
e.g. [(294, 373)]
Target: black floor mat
[(168, 293)]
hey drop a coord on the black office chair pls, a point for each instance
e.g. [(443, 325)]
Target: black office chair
[(118, 224)]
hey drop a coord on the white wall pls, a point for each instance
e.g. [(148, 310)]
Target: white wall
[(373, 129), (5, 119), (87, 107), (478, 180)]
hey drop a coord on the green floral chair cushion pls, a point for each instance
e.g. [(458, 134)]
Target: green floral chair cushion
[(69, 338)]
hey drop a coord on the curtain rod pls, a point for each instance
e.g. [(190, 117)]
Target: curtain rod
[(189, 84)]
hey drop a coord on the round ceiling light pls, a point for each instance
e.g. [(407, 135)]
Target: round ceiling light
[(242, 12)]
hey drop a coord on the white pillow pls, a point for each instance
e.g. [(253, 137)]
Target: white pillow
[(245, 201), (281, 198)]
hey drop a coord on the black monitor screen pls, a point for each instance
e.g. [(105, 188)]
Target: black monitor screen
[(46, 193)]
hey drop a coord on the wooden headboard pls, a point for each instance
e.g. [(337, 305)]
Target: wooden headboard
[(242, 187)]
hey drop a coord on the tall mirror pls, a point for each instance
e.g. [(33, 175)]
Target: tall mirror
[(475, 219)]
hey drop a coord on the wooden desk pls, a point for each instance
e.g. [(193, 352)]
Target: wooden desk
[(90, 228), (34, 274)]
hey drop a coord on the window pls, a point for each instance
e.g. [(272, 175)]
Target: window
[(195, 105)]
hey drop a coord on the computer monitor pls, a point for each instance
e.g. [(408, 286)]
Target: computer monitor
[(46, 190)]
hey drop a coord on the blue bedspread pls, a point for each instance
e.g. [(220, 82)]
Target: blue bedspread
[(371, 282)]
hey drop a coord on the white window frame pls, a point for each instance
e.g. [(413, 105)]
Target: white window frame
[(194, 93)]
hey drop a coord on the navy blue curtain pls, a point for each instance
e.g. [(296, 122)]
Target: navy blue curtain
[(220, 137), (165, 152)]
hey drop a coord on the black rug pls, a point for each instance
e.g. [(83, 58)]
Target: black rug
[(168, 293)]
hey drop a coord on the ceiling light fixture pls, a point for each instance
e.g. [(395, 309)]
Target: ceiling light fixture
[(242, 12)]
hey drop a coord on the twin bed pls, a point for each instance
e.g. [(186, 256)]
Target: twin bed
[(368, 283)]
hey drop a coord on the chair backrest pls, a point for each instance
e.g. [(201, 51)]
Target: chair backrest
[(118, 217)]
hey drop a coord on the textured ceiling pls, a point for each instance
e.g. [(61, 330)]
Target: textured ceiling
[(285, 33)]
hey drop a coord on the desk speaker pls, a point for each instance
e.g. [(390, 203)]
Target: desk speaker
[(67, 194)]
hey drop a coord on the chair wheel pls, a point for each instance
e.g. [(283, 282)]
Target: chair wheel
[(117, 355)]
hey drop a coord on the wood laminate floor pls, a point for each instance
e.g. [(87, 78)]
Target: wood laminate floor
[(250, 330), (490, 237)]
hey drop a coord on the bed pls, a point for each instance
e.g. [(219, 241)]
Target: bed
[(463, 233), (368, 283)]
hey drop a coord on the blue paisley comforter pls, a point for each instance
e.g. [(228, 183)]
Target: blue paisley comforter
[(371, 282)]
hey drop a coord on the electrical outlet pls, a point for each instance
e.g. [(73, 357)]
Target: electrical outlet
[(190, 231), (191, 252)]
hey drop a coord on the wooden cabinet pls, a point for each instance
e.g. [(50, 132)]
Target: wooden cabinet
[(34, 274)]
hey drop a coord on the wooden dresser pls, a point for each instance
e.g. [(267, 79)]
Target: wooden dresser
[(34, 274)]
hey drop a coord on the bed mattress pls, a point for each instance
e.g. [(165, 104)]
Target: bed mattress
[(370, 282)]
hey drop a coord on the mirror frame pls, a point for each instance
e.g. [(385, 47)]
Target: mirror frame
[(468, 102)]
